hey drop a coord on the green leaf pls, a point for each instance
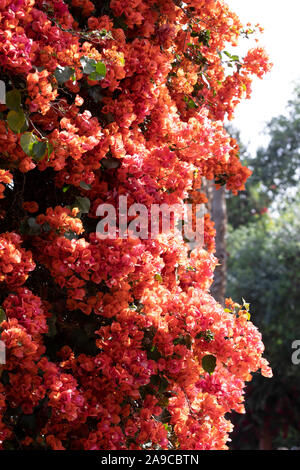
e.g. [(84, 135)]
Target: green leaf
[(16, 120), (70, 235), (88, 65), (101, 69), (46, 227), (184, 340), (95, 92), (34, 227), (190, 268), (207, 335), (63, 74), (39, 150), (2, 315), (33, 147), (27, 141), (158, 277), (83, 204), (209, 363), (13, 100), (192, 104), (49, 148), (204, 37), (94, 70), (234, 58), (110, 163), (33, 224), (84, 185), (25, 126), (94, 76)]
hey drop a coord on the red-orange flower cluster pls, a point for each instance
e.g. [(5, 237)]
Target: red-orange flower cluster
[(117, 344)]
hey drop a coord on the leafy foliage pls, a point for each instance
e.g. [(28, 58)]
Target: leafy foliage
[(278, 164), (264, 266), (275, 177)]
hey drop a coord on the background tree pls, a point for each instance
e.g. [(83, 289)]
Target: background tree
[(275, 168), (263, 268), (253, 201)]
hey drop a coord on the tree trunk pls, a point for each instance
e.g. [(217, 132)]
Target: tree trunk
[(265, 440)]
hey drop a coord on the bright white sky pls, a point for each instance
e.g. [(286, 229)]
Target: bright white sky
[(280, 19)]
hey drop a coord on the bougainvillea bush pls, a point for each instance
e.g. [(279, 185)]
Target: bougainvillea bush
[(117, 343)]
